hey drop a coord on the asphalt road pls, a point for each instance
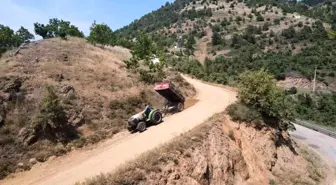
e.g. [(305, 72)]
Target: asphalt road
[(322, 143)]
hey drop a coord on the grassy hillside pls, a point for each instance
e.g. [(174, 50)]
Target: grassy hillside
[(57, 95)]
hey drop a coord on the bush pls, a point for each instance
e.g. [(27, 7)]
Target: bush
[(260, 18), (51, 116), (292, 90), (242, 113), (276, 21), (258, 90)]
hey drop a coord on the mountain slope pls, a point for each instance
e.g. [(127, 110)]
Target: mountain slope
[(249, 34)]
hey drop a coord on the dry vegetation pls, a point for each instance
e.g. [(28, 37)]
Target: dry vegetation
[(93, 87), (222, 152)]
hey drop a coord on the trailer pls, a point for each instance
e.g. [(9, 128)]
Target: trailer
[(174, 100)]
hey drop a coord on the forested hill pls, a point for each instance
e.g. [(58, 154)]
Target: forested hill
[(223, 38), (286, 37)]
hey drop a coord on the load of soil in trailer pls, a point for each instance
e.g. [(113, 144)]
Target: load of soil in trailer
[(174, 98)]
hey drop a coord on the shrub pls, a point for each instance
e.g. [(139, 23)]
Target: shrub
[(243, 113), (300, 24), (292, 90), (276, 21), (51, 117), (260, 18), (258, 90)]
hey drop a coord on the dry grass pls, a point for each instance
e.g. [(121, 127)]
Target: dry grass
[(99, 79)]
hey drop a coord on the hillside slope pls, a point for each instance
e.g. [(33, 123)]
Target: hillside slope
[(223, 152), (288, 39), (90, 93), (109, 155)]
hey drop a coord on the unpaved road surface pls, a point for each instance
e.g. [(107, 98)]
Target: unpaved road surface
[(105, 157)]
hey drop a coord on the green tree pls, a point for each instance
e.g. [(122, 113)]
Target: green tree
[(190, 43), (258, 90), (51, 114), (24, 35), (144, 47), (260, 18), (289, 33), (42, 30), (216, 39), (57, 28), (101, 34), (6, 38)]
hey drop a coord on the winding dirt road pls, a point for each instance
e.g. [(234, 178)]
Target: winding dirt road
[(106, 156)]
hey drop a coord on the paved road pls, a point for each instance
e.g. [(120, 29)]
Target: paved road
[(324, 144), (105, 158)]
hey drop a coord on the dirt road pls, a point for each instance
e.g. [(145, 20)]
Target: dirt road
[(105, 157)]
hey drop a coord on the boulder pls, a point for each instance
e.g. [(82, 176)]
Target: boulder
[(20, 165), (78, 122), (59, 77), (13, 86), (32, 161), (67, 91), (27, 136), (51, 158)]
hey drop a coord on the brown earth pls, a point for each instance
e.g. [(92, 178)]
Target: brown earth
[(223, 152), (93, 85)]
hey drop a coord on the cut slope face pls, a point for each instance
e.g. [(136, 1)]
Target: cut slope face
[(223, 152), (93, 86)]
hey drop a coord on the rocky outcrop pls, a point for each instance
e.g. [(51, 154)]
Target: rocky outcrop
[(227, 153)]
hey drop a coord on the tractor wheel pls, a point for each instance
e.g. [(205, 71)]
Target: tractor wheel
[(180, 107), (156, 117), (141, 126)]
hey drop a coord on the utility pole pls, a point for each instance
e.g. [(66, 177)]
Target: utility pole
[(179, 30), (314, 85)]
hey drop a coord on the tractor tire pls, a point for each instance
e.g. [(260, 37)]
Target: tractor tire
[(141, 127), (180, 107), (156, 117)]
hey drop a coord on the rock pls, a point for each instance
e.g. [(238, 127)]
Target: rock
[(19, 170), (66, 89), (59, 77), (27, 136), (194, 138), (32, 161), (21, 165), (51, 158), (6, 96), (78, 122), (177, 177), (13, 86)]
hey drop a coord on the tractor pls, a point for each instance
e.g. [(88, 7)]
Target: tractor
[(140, 121), (174, 102)]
